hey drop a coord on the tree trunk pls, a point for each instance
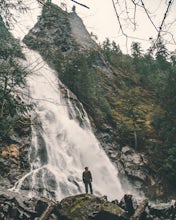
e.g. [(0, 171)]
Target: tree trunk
[(135, 139)]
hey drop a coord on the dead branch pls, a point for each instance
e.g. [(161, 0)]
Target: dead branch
[(140, 210), (164, 18), (80, 4), (146, 11), (47, 212), (118, 18)]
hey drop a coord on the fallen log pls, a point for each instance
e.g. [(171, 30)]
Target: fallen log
[(140, 210), (47, 212)]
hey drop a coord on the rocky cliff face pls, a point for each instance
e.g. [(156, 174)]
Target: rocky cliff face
[(61, 37)]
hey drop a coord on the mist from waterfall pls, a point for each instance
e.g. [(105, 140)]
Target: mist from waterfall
[(60, 147)]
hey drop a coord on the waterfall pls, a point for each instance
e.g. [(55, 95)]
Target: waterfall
[(60, 147)]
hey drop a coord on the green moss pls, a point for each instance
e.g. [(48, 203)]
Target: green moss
[(111, 208), (81, 206)]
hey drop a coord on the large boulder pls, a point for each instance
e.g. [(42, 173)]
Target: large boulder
[(134, 164), (87, 206)]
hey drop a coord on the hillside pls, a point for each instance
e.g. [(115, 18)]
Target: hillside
[(107, 91), (123, 105), (120, 106)]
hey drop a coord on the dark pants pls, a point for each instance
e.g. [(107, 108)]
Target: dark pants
[(88, 184)]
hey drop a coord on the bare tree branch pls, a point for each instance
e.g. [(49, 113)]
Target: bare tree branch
[(118, 18), (80, 4), (164, 18), (146, 11), (164, 30), (134, 15)]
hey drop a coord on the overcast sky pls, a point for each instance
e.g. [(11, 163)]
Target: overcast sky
[(101, 20)]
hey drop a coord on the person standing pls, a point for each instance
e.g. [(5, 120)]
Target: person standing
[(87, 179)]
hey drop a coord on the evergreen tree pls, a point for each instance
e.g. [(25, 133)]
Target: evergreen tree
[(12, 77), (107, 47), (79, 78), (162, 56), (136, 50), (168, 127)]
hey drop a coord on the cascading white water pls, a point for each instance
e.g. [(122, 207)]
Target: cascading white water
[(61, 148)]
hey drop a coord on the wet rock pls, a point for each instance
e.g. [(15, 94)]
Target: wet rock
[(135, 167), (128, 204), (14, 206), (164, 211)]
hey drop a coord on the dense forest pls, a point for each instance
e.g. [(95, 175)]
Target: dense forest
[(156, 71)]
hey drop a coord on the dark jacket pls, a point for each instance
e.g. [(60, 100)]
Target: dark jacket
[(87, 176)]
